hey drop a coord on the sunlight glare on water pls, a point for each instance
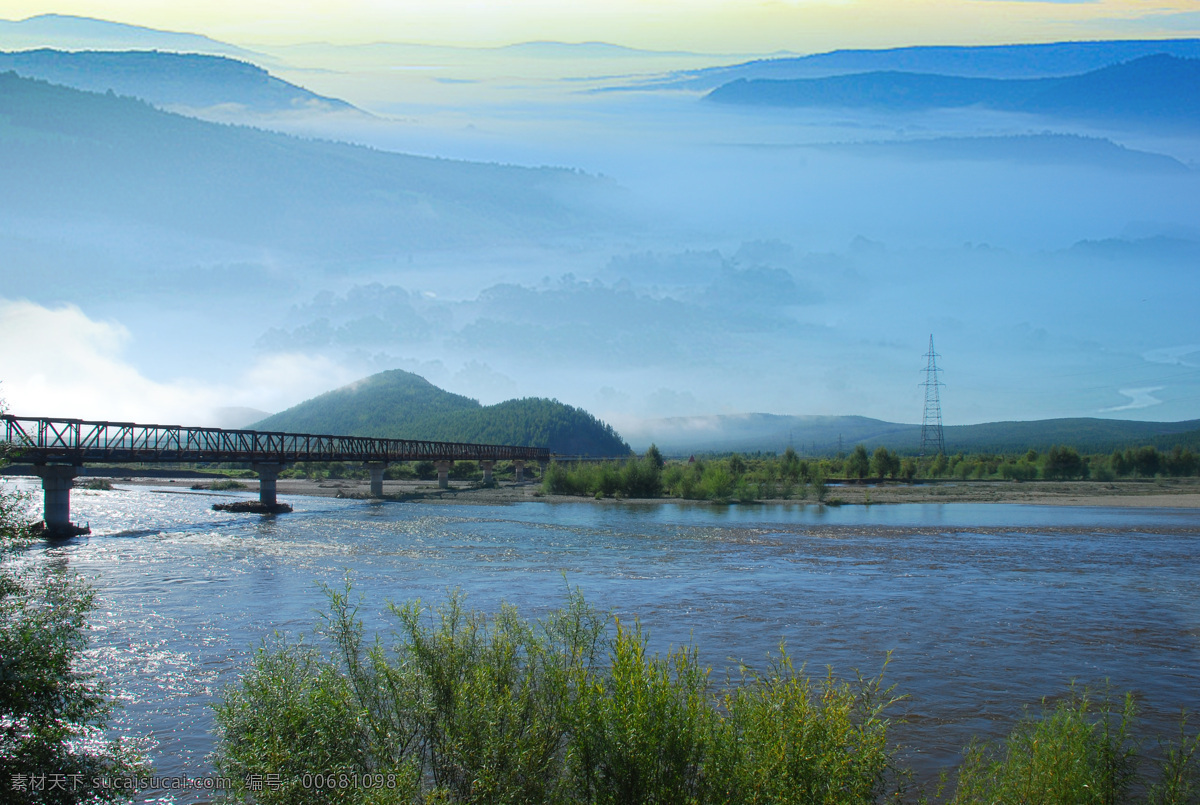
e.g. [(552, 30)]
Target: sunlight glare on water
[(985, 608)]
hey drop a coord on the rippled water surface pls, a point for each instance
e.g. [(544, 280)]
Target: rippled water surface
[(984, 607)]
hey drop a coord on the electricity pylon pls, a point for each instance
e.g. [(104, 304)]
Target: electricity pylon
[(933, 442)]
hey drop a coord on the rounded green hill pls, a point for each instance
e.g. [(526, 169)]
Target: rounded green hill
[(401, 405)]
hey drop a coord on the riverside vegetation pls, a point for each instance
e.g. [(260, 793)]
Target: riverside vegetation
[(786, 477), (459, 706), (52, 713)]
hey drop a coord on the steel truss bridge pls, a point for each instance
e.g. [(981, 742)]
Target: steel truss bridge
[(76, 441), (58, 447)]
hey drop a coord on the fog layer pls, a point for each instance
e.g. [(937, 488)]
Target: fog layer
[(693, 258)]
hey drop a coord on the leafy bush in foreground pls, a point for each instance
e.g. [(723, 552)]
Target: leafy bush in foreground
[(1080, 751), (51, 713), (463, 707)]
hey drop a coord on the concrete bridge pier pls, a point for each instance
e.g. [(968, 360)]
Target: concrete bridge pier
[(519, 467), (443, 468), (268, 474), (56, 500), (376, 469), (487, 470)]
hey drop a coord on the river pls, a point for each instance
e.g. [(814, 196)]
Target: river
[(985, 608)]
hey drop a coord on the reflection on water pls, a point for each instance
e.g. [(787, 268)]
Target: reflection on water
[(985, 608)]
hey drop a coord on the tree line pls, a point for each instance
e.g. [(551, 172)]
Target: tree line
[(738, 477)]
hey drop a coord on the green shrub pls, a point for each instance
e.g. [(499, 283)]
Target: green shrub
[(787, 739), (716, 483), (1079, 752), (52, 714), (1178, 778), (641, 729), (459, 706)]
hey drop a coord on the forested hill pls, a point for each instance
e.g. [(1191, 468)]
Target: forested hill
[(189, 80), (401, 405), (1156, 90), (826, 435), (71, 155)]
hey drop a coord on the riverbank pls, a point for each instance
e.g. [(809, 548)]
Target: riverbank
[(1152, 493)]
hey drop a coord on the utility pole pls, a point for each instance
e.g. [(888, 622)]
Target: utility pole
[(933, 442)]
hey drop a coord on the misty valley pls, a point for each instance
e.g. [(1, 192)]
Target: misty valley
[(610, 239)]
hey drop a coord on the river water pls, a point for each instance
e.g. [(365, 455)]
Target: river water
[(985, 608)]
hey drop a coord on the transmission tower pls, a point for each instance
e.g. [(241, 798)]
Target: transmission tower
[(933, 442)]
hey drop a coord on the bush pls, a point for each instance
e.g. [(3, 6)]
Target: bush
[(1020, 470), (464, 707), (51, 713), (459, 706), (789, 740), (1063, 463), (716, 483), (859, 463), (465, 471), (1079, 751), (1178, 780), (642, 479), (641, 729)]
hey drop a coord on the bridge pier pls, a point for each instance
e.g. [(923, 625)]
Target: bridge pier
[(443, 468), (268, 474), (487, 470), (519, 467), (376, 469), (56, 498)]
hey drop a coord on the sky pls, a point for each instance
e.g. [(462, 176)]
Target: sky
[(711, 26), (1055, 289)]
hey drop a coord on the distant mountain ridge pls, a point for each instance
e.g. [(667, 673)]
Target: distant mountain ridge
[(822, 435), (169, 80), (72, 154), (1159, 89), (1045, 149), (88, 33), (401, 405), (979, 61)]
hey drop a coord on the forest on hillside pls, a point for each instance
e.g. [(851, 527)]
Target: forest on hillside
[(400, 405)]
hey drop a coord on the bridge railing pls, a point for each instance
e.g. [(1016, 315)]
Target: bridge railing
[(76, 441)]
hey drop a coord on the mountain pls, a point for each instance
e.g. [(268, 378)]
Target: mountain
[(1158, 89), (1035, 149), (169, 80), (401, 405), (71, 156), (587, 50), (822, 435), (986, 61), (236, 417), (86, 33)]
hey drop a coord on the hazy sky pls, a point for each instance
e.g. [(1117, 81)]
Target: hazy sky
[(705, 25), (1057, 283)]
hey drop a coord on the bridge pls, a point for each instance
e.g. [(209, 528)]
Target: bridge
[(59, 447)]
